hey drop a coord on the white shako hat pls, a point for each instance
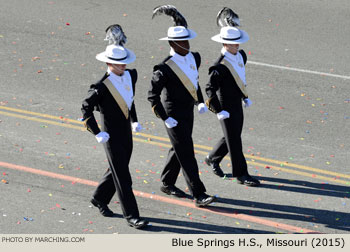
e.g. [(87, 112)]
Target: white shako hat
[(178, 32), (229, 33), (115, 52)]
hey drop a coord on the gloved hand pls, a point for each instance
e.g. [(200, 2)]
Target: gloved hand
[(202, 108), (136, 127), (247, 102), (223, 115), (170, 122), (102, 137)]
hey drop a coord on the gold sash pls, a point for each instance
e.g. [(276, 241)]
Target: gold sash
[(118, 98), (183, 78), (235, 75)]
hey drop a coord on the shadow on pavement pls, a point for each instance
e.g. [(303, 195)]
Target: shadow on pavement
[(310, 216), (191, 227), (324, 189)]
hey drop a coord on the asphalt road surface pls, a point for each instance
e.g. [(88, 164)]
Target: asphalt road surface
[(295, 136)]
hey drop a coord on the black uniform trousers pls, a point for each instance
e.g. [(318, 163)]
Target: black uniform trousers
[(182, 155), (117, 178), (231, 142), (224, 94), (177, 103), (118, 148)]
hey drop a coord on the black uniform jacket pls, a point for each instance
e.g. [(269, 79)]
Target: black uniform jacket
[(100, 99), (176, 102), (222, 89)]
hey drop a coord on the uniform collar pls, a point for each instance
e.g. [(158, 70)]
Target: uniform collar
[(229, 55), (113, 75), (178, 57)]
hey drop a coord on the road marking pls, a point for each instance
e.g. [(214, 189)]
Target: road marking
[(302, 167), (299, 70), (48, 174), (211, 209), (267, 160), (150, 138), (302, 173), (259, 164), (224, 212), (39, 114), (42, 120), (288, 170)]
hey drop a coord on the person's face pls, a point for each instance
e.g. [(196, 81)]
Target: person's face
[(180, 47), (117, 69), (232, 48)]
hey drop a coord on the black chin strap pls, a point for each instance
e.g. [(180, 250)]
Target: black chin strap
[(181, 46), (119, 70)]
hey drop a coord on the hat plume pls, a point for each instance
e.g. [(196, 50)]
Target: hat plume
[(171, 11), (227, 17), (115, 35)]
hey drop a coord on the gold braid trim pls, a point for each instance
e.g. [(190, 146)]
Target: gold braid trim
[(85, 124), (208, 103), (155, 112)]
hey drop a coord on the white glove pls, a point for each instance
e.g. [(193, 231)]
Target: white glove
[(170, 122), (102, 137), (223, 115), (202, 108), (247, 102), (136, 127)]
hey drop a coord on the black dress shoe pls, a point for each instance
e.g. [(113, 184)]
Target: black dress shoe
[(204, 200), (104, 210), (172, 190), (137, 223), (248, 180), (215, 166)]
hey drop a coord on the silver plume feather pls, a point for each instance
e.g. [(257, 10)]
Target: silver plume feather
[(115, 35), (227, 17), (171, 11)]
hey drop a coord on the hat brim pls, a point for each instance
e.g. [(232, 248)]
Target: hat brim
[(192, 35), (130, 58), (244, 38)]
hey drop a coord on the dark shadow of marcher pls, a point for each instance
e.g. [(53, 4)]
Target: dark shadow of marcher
[(324, 189), (191, 227), (332, 219)]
